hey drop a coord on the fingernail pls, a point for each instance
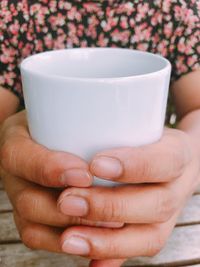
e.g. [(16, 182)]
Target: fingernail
[(76, 177), (106, 167), (73, 206), (76, 245)]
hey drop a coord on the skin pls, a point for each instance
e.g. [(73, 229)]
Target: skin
[(135, 219), (8, 104)]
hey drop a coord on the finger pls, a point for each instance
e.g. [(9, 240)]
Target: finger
[(22, 157), (37, 236), (37, 204), (106, 263), (129, 241), (128, 203), (162, 161)]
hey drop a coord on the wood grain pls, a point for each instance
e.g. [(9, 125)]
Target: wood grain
[(1, 184), (4, 202), (183, 246), (17, 255), (191, 213), (8, 232)]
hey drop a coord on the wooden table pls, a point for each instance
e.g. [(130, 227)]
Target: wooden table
[(182, 249)]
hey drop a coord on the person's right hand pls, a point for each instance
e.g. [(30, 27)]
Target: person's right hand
[(33, 177)]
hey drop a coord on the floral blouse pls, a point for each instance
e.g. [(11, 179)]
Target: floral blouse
[(167, 27)]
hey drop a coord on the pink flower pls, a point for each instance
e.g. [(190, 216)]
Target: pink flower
[(142, 9), (2, 79), (168, 28), (181, 67), (13, 10), (157, 18), (48, 41), (8, 54), (93, 21), (106, 27), (132, 22), (35, 8), (125, 8), (124, 22), (9, 78), (91, 31), (71, 14), (191, 60), (162, 47), (44, 1), (179, 31), (14, 40), (181, 47), (83, 43), (120, 36), (18, 85), (26, 50), (80, 30), (64, 5), (102, 41), (59, 42), (7, 16), (53, 4), (91, 7), (167, 5), (142, 46)]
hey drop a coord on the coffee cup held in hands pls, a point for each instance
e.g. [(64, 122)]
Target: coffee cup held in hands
[(84, 100)]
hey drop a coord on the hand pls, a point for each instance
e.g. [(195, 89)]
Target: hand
[(160, 177), (28, 171)]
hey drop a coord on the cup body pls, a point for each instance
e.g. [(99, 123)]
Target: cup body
[(85, 100)]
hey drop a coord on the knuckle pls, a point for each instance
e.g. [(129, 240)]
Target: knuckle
[(144, 168), (156, 243), (6, 154), (179, 152), (110, 247), (41, 168), (43, 174), (26, 203), (110, 210), (178, 160), (47, 170), (29, 237), (107, 211), (165, 206), (21, 203)]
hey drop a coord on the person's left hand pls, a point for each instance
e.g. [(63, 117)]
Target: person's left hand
[(158, 179)]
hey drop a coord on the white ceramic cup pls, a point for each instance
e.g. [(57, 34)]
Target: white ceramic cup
[(85, 100)]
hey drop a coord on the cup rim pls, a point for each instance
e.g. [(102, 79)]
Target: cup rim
[(23, 67)]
